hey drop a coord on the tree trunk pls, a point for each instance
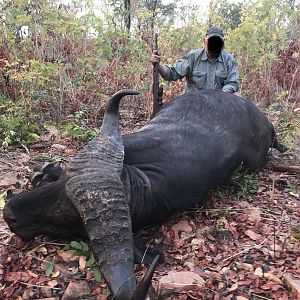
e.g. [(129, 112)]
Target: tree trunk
[(127, 15)]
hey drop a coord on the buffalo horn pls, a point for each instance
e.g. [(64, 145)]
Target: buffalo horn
[(96, 190)]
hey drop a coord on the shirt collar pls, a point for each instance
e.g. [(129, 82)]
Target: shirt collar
[(204, 56)]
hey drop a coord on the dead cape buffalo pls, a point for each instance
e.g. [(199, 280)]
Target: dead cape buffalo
[(118, 184)]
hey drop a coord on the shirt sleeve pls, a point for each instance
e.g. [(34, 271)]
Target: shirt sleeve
[(232, 81), (180, 69)]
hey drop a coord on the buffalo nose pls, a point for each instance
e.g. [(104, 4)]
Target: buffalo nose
[(8, 216)]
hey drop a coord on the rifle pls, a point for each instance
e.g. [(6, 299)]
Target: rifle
[(157, 90)]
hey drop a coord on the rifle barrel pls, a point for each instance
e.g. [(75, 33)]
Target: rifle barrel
[(156, 90)]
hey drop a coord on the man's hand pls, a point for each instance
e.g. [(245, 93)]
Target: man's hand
[(155, 57), (228, 91), (232, 92)]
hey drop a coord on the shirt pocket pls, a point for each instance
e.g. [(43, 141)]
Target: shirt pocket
[(199, 79), (221, 76)]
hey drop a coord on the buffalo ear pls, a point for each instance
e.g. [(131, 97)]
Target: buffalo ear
[(46, 173), (35, 178)]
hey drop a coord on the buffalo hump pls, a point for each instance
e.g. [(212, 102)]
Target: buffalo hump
[(193, 144)]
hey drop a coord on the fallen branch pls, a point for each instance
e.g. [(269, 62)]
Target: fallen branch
[(39, 286), (284, 168)]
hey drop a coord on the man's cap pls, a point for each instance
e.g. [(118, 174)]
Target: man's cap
[(215, 31)]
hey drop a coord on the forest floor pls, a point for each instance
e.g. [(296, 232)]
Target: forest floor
[(242, 243)]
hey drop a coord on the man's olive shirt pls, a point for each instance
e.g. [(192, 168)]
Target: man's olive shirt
[(201, 74)]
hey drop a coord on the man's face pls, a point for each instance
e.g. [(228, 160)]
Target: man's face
[(213, 45)]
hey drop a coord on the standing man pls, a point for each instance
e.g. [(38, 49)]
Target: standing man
[(210, 67)]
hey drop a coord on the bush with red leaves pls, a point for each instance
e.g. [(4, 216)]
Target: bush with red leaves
[(287, 68)]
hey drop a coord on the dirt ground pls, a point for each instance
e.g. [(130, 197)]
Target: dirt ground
[(242, 243)]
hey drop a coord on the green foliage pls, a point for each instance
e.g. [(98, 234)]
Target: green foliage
[(182, 40), (96, 273), (261, 33), (59, 59), (240, 185), (264, 30), (79, 133), (78, 128), (49, 268), (221, 224), (83, 249), (15, 125), (231, 14), (243, 184), (295, 231), (287, 121), (290, 125), (223, 213)]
